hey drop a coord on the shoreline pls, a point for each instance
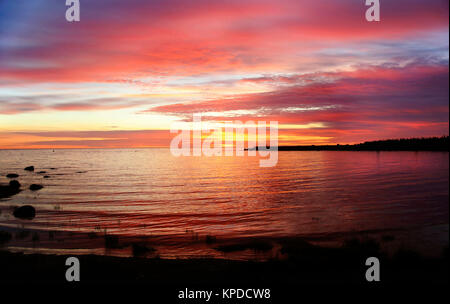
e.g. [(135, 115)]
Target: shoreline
[(438, 144), (298, 261), (430, 144), (307, 264), (191, 245)]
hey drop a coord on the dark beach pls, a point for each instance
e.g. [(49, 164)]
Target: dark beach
[(305, 264)]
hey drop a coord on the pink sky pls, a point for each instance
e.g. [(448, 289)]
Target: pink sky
[(120, 76)]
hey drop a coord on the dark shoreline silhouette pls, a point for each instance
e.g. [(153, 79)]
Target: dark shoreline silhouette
[(306, 263), (403, 144), (299, 260)]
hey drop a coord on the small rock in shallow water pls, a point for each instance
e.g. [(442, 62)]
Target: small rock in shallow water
[(12, 189), (35, 187), (30, 168), (12, 175), (14, 184), (42, 172), (46, 176), (25, 212), (141, 249)]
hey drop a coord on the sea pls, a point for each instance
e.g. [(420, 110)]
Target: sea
[(102, 201)]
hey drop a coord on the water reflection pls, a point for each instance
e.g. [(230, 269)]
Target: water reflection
[(150, 193)]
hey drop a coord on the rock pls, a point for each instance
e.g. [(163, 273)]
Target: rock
[(12, 189), (35, 187), (12, 175), (25, 212), (30, 168), (141, 249), (42, 172), (14, 184), (46, 176)]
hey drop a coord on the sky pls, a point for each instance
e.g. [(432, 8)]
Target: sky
[(129, 69)]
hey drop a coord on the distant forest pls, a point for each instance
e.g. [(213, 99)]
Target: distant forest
[(403, 144)]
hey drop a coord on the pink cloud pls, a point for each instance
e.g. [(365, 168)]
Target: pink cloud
[(195, 37)]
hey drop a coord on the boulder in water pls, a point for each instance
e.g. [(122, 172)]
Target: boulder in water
[(35, 187), (141, 249), (12, 175), (14, 184), (25, 212), (30, 168), (10, 190)]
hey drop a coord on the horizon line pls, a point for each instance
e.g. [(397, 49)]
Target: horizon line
[(167, 147)]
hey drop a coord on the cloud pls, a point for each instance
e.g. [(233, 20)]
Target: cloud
[(23, 104), (376, 99), (117, 38), (295, 61), (87, 139), (18, 107)]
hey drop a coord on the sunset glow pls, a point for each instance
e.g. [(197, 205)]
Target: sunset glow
[(122, 75)]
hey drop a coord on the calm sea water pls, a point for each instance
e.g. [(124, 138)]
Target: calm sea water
[(176, 202)]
